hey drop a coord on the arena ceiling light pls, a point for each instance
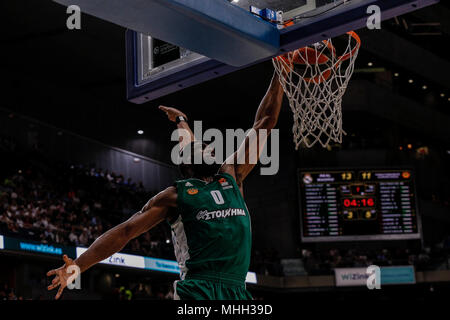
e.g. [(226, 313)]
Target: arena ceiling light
[(140, 132)]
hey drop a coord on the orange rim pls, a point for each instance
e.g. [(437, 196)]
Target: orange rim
[(354, 50), (326, 74)]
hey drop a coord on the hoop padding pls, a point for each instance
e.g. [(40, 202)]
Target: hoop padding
[(314, 80)]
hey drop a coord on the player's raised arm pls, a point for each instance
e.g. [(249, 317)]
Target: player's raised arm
[(180, 119), (242, 161), (115, 239)]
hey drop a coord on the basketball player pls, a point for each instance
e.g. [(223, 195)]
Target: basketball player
[(207, 213)]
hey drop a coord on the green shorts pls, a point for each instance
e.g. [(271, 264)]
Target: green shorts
[(210, 289)]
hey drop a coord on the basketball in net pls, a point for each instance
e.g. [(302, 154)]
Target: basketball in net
[(314, 79)]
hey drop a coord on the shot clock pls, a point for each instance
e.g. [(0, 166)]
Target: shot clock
[(355, 204)]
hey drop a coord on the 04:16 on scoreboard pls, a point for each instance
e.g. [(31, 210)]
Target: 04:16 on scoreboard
[(358, 204)]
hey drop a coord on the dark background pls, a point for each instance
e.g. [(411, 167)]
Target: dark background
[(75, 81)]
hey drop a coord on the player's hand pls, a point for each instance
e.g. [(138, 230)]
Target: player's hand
[(172, 113), (62, 276)]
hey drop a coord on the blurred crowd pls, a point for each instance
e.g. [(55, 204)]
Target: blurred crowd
[(314, 261), (137, 291), (141, 291), (318, 262), (8, 293), (73, 205), (266, 262)]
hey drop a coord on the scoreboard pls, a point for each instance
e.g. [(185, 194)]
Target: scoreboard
[(358, 204)]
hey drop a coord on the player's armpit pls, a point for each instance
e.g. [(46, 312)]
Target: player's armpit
[(155, 211)]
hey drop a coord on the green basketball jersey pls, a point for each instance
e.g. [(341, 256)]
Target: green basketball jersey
[(212, 234)]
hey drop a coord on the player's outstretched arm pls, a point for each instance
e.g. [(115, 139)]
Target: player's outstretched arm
[(115, 239), (243, 161)]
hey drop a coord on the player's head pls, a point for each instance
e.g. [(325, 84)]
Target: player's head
[(197, 161)]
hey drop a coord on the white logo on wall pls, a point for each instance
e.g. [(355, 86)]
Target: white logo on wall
[(374, 279), (74, 20)]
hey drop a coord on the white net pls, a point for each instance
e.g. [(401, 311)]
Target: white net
[(315, 79)]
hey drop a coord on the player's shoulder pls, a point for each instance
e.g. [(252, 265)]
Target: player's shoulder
[(167, 191), (229, 172), (167, 196), (179, 185), (170, 190), (222, 176)]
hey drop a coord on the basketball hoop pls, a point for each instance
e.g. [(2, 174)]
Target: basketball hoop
[(314, 79)]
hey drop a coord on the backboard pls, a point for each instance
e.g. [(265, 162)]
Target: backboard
[(156, 68), (289, 8)]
